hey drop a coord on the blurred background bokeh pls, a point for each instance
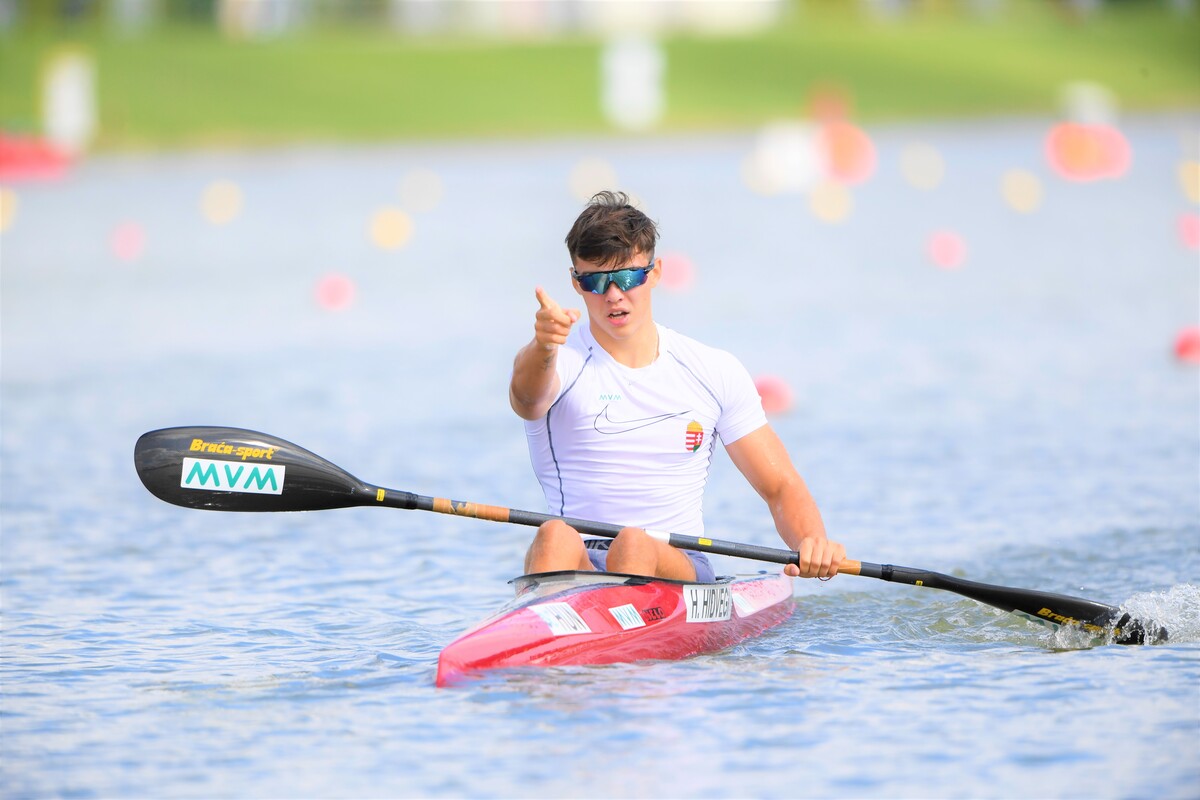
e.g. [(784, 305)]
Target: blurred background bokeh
[(810, 82), (136, 74)]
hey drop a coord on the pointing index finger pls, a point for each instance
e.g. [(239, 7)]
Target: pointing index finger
[(545, 300)]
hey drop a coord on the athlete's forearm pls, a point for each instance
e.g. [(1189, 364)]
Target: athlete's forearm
[(534, 380), (799, 524), (796, 514)]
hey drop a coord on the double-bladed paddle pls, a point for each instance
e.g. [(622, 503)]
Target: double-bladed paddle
[(231, 469)]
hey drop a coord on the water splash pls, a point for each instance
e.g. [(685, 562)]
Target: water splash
[(1177, 609)]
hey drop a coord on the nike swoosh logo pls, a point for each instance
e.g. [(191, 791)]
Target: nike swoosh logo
[(612, 427)]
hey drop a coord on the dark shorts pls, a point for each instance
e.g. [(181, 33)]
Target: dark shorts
[(597, 550)]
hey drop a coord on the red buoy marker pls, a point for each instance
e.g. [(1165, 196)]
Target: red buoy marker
[(1187, 345), (335, 292), (776, 395)]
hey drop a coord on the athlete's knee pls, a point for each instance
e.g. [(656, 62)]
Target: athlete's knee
[(638, 552), (556, 531), (632, 543), (556, 545), (631, 536)]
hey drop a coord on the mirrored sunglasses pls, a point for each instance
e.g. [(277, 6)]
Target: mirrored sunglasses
[(625, 279)]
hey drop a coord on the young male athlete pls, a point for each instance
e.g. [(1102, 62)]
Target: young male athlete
[(622, 416)]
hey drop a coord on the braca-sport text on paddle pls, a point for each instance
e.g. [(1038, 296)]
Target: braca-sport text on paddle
[(231, 469)]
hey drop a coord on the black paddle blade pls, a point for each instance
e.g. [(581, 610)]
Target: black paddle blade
[(230, 469), (1060, 609), (1128, 630)]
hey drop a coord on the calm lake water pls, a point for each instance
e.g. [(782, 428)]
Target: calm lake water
[(1019, 420)]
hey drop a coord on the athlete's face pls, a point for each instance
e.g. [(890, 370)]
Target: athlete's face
[(619, 313)]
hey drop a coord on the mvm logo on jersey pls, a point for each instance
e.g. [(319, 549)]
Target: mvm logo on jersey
[(694, 437), (232, 476)]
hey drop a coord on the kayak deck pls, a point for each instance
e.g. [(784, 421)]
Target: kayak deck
[(577, 618)]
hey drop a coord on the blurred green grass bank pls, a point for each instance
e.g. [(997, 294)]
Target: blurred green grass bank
[(196, 73)]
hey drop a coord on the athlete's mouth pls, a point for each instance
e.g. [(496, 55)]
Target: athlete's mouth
[(618, 314)]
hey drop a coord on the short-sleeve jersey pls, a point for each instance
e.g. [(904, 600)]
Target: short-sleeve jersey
[(634, 446)]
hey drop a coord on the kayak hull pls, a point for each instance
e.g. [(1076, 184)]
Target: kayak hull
[(576, 618)]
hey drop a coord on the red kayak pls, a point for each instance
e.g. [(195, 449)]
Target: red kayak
[(574, 618)]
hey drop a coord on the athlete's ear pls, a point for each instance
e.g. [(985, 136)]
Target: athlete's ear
[(656, 275)]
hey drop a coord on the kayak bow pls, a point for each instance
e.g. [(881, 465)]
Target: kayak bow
[(576, 618)]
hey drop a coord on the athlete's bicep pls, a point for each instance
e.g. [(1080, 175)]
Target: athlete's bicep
[(762, 458)]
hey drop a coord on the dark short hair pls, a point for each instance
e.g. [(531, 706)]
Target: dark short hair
[(609, 231)]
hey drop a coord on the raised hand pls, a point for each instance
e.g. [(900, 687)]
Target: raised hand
[(552, 323)]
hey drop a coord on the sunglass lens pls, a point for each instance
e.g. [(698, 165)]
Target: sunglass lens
[(594, 282), (627, 279)]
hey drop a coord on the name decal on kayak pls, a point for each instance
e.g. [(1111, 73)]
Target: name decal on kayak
[(561, 619), (707, 603), (231, 476), (627, 616)]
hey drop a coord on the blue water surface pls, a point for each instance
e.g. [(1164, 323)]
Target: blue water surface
[(1020, 420)]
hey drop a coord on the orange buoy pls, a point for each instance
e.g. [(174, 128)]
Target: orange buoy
[(1087, 152)]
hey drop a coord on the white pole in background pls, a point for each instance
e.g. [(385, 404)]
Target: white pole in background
[(69, 100), (631, 88)]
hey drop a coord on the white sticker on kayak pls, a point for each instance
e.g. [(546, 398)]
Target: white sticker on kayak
[(707, 603), (232, 476), (627, 616), (744, 606), (561, 618)]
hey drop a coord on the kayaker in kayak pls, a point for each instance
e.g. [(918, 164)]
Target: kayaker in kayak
[(622, 416)]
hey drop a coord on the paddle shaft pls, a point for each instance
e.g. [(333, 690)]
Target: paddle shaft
[(460, 508)]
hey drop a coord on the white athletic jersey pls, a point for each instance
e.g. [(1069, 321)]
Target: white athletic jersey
[(633, 446)]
